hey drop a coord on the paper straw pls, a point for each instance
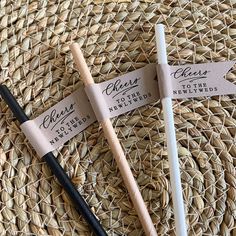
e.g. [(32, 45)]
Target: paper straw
[(117, 151), (171, 142)]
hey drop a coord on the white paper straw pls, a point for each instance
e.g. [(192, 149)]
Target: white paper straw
[(171, 142)]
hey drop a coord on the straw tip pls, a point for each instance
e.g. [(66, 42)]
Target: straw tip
[(74, 45), (3, 88), (76, 51), (159, 27)]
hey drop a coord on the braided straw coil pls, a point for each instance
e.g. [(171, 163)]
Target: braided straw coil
[(116, 37)]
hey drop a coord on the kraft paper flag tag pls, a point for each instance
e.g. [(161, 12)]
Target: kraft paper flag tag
[(202, 80), (195, 80), (135, 89), (66, 119), (131, 90)]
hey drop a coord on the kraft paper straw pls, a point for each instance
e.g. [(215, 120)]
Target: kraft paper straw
[(80, 205), (117, 151), (171, 142)]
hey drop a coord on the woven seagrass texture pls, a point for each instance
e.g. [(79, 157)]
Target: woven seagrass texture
[(116, 37)]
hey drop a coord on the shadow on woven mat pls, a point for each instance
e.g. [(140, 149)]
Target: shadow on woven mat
[(118, 37)]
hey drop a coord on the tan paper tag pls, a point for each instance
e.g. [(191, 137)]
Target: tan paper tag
[(199, 80), (131, 90), (66, 119)]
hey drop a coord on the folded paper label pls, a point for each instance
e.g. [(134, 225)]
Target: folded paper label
[(135, 89), (131, 90), (201, 80), (66, 119)]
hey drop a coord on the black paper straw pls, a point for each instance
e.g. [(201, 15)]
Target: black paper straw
[(80, 205)]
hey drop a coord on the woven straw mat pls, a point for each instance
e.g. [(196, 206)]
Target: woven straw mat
[(116, 37)]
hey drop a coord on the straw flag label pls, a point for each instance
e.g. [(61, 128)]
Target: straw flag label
[(201, 80), (131, 90), (66, 119)]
